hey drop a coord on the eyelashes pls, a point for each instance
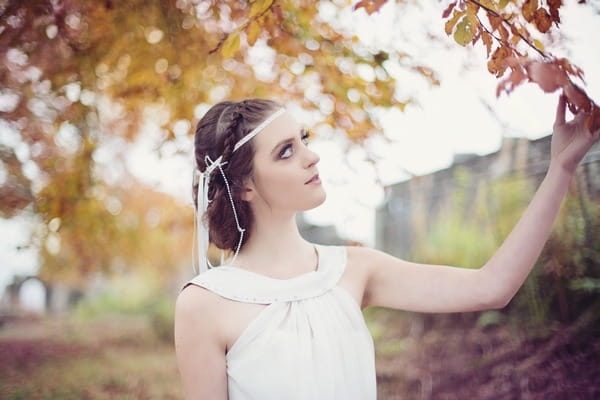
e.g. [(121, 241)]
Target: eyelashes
[(305, 136)]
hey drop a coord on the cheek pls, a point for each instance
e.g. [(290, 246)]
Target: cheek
[(276, 178), (279, 183)]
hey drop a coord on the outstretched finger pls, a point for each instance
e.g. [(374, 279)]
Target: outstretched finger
[(560, 110)]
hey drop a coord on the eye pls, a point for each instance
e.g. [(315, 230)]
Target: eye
[(305, 136)]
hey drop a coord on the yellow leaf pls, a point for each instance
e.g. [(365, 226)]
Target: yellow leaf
[(252, 32), (259, 6), (491, 4), (464, 32), (472, 15), (231, 44)]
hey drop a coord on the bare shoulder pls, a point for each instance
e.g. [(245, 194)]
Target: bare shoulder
[(199, 341), (359, 253), (361, 258), (374, 268), (195, 303), (196, 313), (371, 260)]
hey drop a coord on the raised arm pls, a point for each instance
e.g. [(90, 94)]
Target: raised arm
[(509, 266), (395, 283)]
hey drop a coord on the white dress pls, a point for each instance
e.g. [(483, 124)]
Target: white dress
[(310, 342)]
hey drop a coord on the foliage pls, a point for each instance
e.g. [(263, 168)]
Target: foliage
[(507, 37), (161, 311), (122, 296), (119, 228), (479, 216), (571, 256), (473, 221), (131, 297), (80, 80)]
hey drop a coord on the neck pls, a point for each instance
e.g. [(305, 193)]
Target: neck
[(275, 245)]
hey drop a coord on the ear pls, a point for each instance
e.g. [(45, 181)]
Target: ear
[(249, 190)]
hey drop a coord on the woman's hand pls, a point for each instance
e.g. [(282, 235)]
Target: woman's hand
[(572, 140)]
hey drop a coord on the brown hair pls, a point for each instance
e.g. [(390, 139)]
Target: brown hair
[(223, 125)]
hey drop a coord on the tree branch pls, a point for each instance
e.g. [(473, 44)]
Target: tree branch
[(241, 27), (510, 24)]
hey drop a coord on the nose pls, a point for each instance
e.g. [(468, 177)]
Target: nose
[(312, 158)]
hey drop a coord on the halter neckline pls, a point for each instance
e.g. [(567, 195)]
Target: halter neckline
[(300, 276)]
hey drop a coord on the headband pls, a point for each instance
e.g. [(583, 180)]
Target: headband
[(203, 201)]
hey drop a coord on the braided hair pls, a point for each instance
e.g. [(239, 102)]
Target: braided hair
[(216, 134)]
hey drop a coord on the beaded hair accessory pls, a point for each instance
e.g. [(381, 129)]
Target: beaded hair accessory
[(202, 199)]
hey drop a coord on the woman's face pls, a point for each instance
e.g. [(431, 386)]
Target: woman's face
[(283, 163)]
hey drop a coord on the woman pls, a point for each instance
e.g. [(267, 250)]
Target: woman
[(282, 319)]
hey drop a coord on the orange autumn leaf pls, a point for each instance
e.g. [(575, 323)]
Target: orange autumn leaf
[(496, 64), (528, 9), (487, 40), (516, 77), (495, 21), (543, 21), (593, 121), (570, 68), (503, 33), (370, 6), (576, 98)]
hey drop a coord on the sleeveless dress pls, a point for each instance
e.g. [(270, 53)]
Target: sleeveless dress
[(309, 342)]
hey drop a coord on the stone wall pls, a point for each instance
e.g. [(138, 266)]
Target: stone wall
[(414, 201)]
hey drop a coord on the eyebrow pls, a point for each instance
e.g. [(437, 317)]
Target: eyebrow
[(288, 140)]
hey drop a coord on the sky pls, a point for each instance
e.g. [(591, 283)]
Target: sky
[(463, 115)]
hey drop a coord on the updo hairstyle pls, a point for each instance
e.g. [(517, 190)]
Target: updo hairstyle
[(216, 134)]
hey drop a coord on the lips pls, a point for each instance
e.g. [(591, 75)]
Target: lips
[(315, 176)]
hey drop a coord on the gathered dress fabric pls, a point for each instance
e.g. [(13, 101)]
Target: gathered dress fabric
[(309, 342)]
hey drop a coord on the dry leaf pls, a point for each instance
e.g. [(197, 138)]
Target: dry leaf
[(549, 76), (528, 9), (543, 21)]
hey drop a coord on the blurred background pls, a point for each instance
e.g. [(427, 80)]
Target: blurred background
[(419, 158)]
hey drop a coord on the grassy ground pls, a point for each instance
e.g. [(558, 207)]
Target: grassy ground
[(112, 357), (120, 357)]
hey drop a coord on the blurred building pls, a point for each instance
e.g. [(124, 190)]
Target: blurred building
[(422, 197), (318, 234)]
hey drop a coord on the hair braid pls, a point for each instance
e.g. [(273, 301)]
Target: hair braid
[(233, 132)]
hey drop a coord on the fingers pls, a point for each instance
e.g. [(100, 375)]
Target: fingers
[(560, 110)]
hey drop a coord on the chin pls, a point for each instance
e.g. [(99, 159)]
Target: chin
[(318, 201)]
